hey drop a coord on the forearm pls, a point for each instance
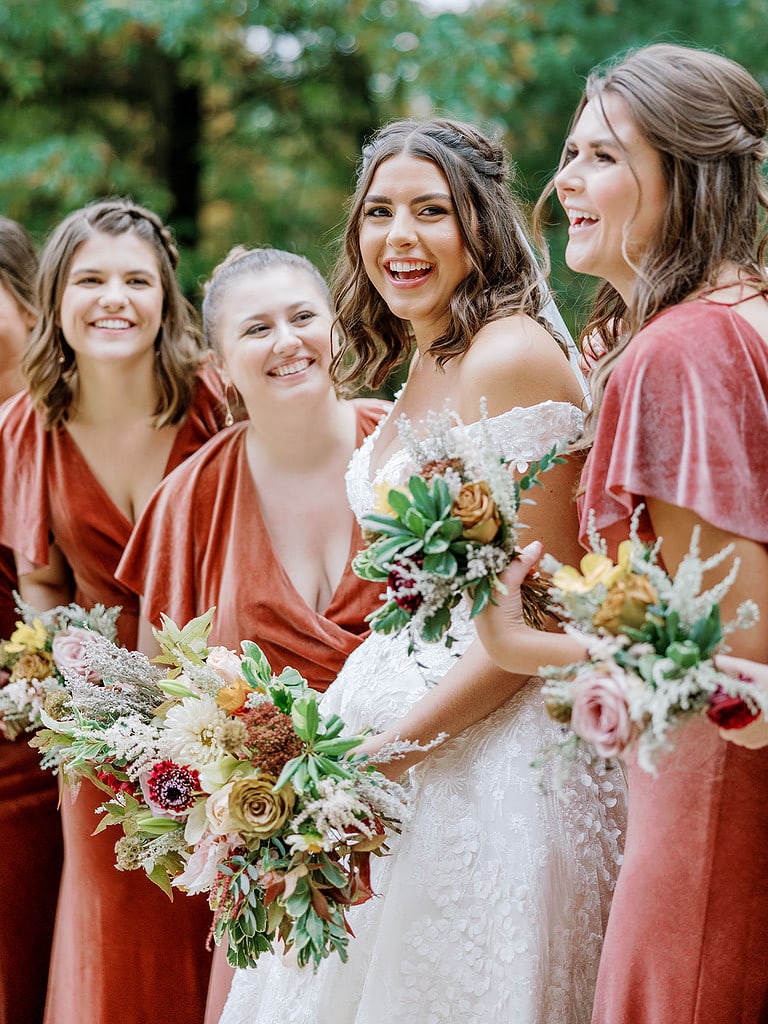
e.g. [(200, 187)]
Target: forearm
[(516, 647), (473, 689)]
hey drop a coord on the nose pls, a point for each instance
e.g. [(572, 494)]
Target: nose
[(113, 293), (567, 178), (402, 231), (286, 340)]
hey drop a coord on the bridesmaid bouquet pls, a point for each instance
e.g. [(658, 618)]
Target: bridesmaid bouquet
[(453, 528), (28, 660), (225, 779), (651, 642)]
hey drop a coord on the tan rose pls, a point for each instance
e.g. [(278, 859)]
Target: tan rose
[(255, 811), (33, 665), (625, 604), (476, 509)]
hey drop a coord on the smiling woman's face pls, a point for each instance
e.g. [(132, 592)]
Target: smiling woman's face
[(411, 242), (613, 190)]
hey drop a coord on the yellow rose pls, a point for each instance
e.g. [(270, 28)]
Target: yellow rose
[(255, 811), (596, 569), (27, 638), (33, 665), (476, 509), (625, 604), (381, 504)]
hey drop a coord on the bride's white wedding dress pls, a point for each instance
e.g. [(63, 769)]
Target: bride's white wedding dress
[(494, 901)]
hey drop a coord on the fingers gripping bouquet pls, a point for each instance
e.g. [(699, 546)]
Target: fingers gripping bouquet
[(453, 528), (226, 779), (29, 659), (651, 643)]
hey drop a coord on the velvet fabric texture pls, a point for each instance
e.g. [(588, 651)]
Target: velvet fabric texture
[(202, 542), (684, 419), (8, 583), (118, 941)]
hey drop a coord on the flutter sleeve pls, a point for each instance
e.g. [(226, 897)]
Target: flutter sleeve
[(684, 419), (24, 508)]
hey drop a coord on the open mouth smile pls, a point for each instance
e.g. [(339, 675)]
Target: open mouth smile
[(292, 368), (580, 218), (408, 271), (113, 324)]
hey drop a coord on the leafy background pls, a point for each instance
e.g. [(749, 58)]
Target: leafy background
[(240, 121)]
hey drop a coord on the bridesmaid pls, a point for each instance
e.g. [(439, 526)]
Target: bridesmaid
[(258, 523), (31, 847), (661, 179), (117, 398)]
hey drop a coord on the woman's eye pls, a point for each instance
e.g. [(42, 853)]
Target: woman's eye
[(140, 282), (304, 317), (376, 211), (434, 211), (604, 158), (256, 329)]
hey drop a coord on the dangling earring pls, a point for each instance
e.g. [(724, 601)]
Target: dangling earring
[(229, 419)]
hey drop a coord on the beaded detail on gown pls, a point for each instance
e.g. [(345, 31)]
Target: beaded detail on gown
[(494, 900)]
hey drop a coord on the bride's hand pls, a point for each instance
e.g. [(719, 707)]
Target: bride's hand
[(500, 622)]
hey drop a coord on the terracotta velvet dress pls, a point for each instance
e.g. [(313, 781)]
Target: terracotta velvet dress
[(685, 420), (202, 542), (30, 856), (122, 952)]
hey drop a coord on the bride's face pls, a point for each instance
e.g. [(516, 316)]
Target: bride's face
[(411, 243), (275, 336)]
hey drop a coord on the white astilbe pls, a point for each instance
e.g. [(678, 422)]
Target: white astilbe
[(338, 809), (134, 742)]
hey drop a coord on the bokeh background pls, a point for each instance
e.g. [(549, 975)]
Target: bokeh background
[(241, 121)]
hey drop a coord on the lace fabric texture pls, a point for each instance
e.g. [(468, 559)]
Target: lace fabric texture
[(494, 900)]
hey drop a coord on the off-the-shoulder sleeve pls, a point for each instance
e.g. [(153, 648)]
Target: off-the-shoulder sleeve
[(24, 444), (684, 419)]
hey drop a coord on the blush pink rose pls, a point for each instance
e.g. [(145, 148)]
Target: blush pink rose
[(600, 714), (226, 664), (71, 653)]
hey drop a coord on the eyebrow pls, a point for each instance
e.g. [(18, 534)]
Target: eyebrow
[(609, 140), (101, 270), (294, 307), (417, 199)]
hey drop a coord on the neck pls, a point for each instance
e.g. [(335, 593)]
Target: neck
[(300, 436), (115, 393), (11, 382)]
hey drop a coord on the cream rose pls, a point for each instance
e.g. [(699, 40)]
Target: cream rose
[(475, 507), (600, 713), (255, 811)]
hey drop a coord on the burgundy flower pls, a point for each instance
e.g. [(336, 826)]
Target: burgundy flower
[(730, 712), (172, 787), (271, 739), (402, 587)]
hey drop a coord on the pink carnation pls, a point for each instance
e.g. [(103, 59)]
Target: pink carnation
[(600, 714), (71, 653)]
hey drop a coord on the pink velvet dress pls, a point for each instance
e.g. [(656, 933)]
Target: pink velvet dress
[(120, 946), (684, 419), (202, 542)]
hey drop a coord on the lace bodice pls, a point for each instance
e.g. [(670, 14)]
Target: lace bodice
[(524, 434)]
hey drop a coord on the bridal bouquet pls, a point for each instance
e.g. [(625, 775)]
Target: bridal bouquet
[(28, 660), (651, 641), (226, 779), (452, 528)]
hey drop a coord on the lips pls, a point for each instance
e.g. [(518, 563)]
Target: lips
[(579, 218), (292, 368), (408, 270)]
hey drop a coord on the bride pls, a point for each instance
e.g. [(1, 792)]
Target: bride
[(494, 900)]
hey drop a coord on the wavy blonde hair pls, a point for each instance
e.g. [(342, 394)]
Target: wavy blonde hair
[(503, 278), (707, 118), (49, 363)]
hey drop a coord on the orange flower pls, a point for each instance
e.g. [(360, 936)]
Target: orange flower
[(476, 509)]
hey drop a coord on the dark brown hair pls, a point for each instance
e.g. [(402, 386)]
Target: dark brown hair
[(503, 278), (18, 263), (49, 364)]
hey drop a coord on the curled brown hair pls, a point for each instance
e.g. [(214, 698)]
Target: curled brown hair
[(18, 263), (707, 118), (503, 278), (49, 364)]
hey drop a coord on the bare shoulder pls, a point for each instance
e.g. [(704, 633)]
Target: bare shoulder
[(515, 362)]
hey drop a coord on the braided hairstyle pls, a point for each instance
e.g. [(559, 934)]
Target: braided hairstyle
[(707, 118), (49, 363), (503, 278)]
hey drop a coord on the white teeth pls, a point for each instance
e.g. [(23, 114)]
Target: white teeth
[(289, 368), (113, 325), (581, 215), (403, 266)]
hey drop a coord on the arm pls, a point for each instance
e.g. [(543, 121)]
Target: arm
[(49, 585)]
